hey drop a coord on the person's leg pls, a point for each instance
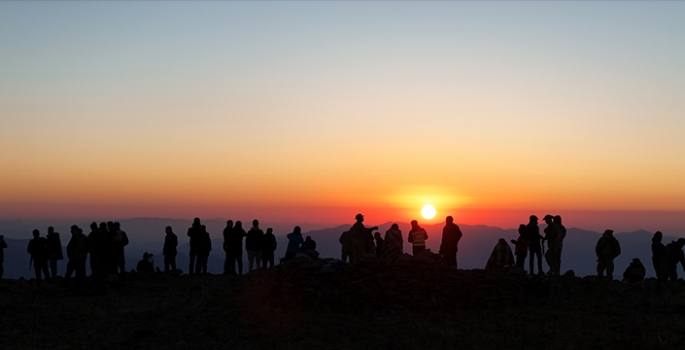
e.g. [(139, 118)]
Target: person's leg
[(239, 259), (191, 267), (610, 268)]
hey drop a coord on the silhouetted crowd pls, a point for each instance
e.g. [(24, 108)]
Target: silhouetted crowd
[(105, 244)]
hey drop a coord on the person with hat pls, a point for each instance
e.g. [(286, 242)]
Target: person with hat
[(607, 249)]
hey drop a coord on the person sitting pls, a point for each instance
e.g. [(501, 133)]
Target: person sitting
[(145, 265), (635, 272), (501, 257), (309, 244)]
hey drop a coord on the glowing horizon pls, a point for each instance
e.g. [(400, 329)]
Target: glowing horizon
[(219, 109)]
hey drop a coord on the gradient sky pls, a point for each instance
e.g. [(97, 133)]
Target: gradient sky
[(314, 111)]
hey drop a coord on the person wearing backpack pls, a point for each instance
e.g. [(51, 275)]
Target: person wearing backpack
[(38, 249)]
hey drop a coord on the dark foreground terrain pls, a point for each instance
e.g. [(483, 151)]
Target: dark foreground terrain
[(410, 304)]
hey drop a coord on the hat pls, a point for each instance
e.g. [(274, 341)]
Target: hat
[(359, 216), (608, 232)]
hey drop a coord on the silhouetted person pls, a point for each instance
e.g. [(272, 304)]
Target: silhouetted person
[(672, 256), (553, 245), (119, 241), (658, 250), (295, 240), (226, 247), (97, 248), (195, 236), (607, 249), (362, 238), (77, 252), (3, 246), (635, 272), (346, 246), (379, 244), (393, 246), (534, 247), (561, 235), (145, 265), (308, 244), (417, 237), (203, 248), (269, 248), (170, 249), (451, 234), (236, 247), (253, 245), (54, 250), (500, 257), (38, 249), (521, 247)]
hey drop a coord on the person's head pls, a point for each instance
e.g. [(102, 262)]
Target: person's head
[(229, 223), (146, 256), (658, 236), (359, 217), (308, 238), (51, 229), (681, 242), (414, 224), (75, 230), (395, 227), (238, 224), (255, 223), (103, 227), (297, 230), (168, 230), (548, 219), (608, 233), (196, 221), (269, 230), (449, 220), (557, 219), (36, 233), (637, 261), (534, 219), (93, 226), (522, 229), (117, 225)]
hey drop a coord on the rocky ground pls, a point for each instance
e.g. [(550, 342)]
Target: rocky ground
[(411, 303)]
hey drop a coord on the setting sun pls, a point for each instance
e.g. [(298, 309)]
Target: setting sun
[(428, 211)]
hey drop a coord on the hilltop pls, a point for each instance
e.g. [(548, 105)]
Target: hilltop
[(413, 303)]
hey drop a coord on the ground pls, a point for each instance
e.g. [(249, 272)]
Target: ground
[(330, 305)]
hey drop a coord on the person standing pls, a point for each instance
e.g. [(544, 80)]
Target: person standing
[(236, 247), (379, 244), (553, 248), (54, 250), (672, 256), (607, 249), (658, 250), (170, 249), (451, 234), (77, 252), (394, 244), (204, 246), (533, 238), (521, 248), (417, 237), (269, 248), (119, 241), (253, 245), (362, 238), (346, 246), (97, 245), (227, 244), (295, 240), (3, 246), (38, 249), (561, 235), (195, 236)]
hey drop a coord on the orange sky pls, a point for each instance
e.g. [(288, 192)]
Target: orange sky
[(223, 110)]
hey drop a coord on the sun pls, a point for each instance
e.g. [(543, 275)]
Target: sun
[(428, 211)]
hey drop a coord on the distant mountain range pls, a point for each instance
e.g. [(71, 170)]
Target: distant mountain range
[(147, 234)]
